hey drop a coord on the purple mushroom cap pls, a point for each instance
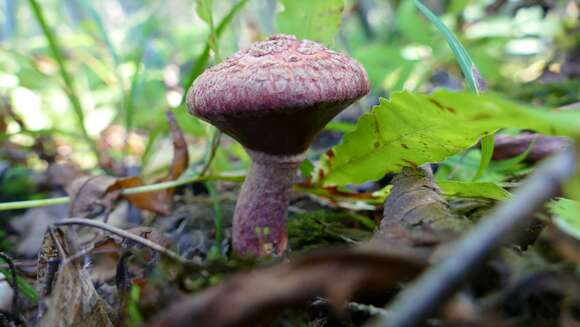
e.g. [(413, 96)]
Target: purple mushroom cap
[(274, 96)]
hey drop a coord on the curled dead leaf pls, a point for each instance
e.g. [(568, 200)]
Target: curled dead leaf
[(91, 196), (68, 297), (95, 196)]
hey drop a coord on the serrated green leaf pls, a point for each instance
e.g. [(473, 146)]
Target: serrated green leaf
[(412, 129), (566, 215), (474, 190), (316, 20)]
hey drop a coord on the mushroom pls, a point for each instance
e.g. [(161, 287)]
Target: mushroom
[(273, 98)]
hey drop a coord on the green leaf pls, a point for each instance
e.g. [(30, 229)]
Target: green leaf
[(474, 190), (412, 129), (316, 20), (566, 215)]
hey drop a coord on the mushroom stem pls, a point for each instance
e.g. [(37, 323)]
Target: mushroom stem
[(260, 215)]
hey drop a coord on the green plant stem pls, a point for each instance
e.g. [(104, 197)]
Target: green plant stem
[(68, 81), (134, 190), (212, 150), (203, 58), (472, 77)]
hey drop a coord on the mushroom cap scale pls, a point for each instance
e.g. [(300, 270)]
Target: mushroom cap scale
[(276, 95)]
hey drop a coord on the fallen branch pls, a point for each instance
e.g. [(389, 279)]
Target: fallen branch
[(421, 299)]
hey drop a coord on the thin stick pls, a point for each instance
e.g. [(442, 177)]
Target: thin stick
[(124, 234), (421, 299), (134, 190), (14, 281)]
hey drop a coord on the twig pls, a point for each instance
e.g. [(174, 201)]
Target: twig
[(14, 280), (124, 234), (421, 299)]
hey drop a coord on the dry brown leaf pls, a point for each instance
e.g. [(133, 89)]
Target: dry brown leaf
[(95, 196), (62, 174), (158, 202), (180, 154), (91, 197), (32, 225), (68, 295), (337, 275)]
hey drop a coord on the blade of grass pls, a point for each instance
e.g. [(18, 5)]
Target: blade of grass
[(137, 78), (487, 146), (153, 136), (471, 75), (104, 35), (136, 82), (202, 60), (204, 10), (21, 285), (128, 97), (67, 79), (216, 251)]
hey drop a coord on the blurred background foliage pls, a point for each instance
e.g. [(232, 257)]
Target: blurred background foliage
[(128, 61)]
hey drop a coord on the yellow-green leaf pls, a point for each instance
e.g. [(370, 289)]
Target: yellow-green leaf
[(411, 129)]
